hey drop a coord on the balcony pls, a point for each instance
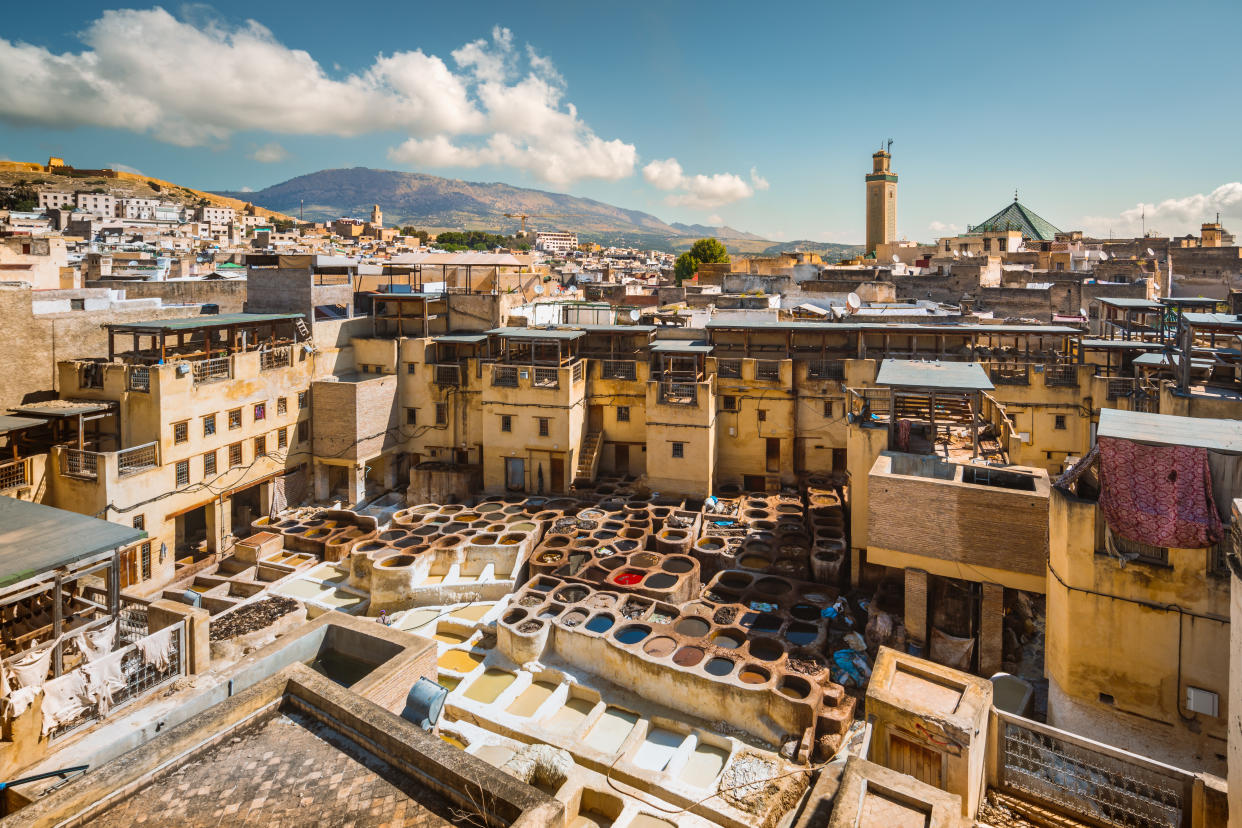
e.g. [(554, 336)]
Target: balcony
[(1061, 376), (272, 358), (1006, 373), (832, 369), (768, 370), (212, 370), (505, 376), (679, 393), (140, 379), (729, 368), (90, 465), (618, 369), (546, 378)]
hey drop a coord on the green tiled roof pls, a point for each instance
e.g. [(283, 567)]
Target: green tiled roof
[(1016, 216)]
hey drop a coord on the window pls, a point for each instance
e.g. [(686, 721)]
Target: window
[(411, 416), (209, 425), (209, 464), (234, 419), (146, 561), (282, 405), (303, 431), (543, 427), (235, 455), (140, 522), (260, 411), (827, 408), (301, 400), (1060, 421), (506, 422), (260, 446), (441, 413), (763, 415), (1123, 547), (679, 449), (623, 413), (728, 403), (183, 472), (181, 433), (282, 438), (411, 367)]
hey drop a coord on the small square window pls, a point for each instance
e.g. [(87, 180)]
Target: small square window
[(302, 399), (411, 416), (183, 472), (303, 431), (763, 415), (209, 425), (146, 561), (411, 367), (140, 522), (235, 419), (282, 405), (282, 437), (728, 403), (506, 422), (441, 413), (827, 409), (181, 433), (1060, 421), (544, 429), (623, 413), (260, 411), (209, 464), (235, 455), (679, 449), (260, 446)]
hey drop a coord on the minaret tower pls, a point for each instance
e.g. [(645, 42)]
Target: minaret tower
[(881, 200), (377, 217)]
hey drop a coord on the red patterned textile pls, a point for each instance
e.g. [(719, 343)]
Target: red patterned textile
[(1158, 495)]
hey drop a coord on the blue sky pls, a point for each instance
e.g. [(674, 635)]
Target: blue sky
[(770, 111)]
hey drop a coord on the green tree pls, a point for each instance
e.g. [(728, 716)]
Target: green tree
[(685, 267), (709, 251)]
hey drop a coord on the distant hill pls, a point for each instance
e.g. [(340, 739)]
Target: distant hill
[(828, 250), (433, 203)]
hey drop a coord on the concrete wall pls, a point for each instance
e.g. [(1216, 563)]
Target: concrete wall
[(230, 295)]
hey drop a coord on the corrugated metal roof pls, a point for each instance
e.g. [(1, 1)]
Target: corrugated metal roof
[(210, 320), (1171, 361), (943, 376), (35, 538), (1171, 430), (895, 327), (63, 408), (681, 346), (1121, 345), (472, 258), (461, 338), (1130, 302), (1226, 321), (538, 333), (11, 422)]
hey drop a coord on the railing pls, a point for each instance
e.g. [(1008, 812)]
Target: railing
[(618, 369), (139, 679), (833, 369), (210, 370), (729, 368), (1101, 785), (14, 474), (78, 463), (131, 620), (140, 379), (1062, 376), (505, 376), (1120, 387), (448, 375), (137, 459), (768, 370), (679, 393), (547, 378), (1010, 374), (272, 358)]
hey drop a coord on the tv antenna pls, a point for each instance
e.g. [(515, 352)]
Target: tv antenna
[(890, 146)]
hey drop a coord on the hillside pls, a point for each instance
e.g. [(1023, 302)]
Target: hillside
[(433, 203)]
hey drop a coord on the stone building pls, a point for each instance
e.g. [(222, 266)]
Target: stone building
[(881, 202)]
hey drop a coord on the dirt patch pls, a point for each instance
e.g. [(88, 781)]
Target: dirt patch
[(252, 617), (725, 615), (530, 601), (530, 627), (805, 666)]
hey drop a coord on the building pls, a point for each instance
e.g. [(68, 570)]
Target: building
[(377, 216), (881, 202), (555, 241), (99, 204), (1018, 217), (216, 215), (53, 200)]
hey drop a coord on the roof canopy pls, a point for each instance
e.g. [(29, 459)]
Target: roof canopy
[(565, 334), (12, 422), (1017, 216), (681, 346), (938, 376), (35, 538), (1170, 430), (210, 320)]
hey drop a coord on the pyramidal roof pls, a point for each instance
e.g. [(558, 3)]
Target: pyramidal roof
[(1017, 216)]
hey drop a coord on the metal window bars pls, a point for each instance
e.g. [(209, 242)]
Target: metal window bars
[(679, 393), (729, 368), (832, 369), (448, 375), (140, 379), (547, 378), (210, 370), (137, 459), (15, 474), (1061, 376), (78, 463), (505, 376), (768, 370), (618, 369), (272, 358)]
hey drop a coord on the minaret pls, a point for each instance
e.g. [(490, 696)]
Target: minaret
[(881, 201), (377, 217)]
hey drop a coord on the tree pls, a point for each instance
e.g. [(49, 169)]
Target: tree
[(685, 267), (709, 251)]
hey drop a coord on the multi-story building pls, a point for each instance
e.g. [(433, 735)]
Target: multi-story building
[(555, 241), (99, 204), (53, 200), (216, 215)]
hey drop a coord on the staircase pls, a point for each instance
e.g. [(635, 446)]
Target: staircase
[(588, 458)]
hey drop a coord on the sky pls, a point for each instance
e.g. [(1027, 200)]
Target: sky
[(759, 116)]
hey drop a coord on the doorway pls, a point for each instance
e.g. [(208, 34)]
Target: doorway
[(621, 459), (556, 467), (515, 474), (190, 531), (595, 418), (244, 506), (773, 454)]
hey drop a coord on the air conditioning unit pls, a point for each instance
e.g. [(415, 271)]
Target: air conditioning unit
[(1202, 701)]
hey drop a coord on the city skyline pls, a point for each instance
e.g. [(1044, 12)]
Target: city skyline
[(749, 130)]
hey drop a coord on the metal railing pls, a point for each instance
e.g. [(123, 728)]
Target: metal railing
[(137, 459), (210, 370), (78, 463), (1101, 785), (679, 393), (618, 369), (1010, 374), (140, 379), (1061, 376), (448, 375), (272, 358), (139, 677), (768, 370), (547, 378), (833, 369), (1120, 387), (14, 474), (505, 376), (729, 368)]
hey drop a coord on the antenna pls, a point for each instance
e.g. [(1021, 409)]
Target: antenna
[(890, 146)]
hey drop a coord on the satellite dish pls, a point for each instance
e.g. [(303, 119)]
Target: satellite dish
[(538, 289), (1151, 253), (853, 303), (955, 254), (1103, 256), (1082, 312), (634, 315), (896, 258)]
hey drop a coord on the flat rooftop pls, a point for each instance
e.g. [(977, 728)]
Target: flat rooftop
[(211, 320), (1171, 430), (35, 538), (939, 376)]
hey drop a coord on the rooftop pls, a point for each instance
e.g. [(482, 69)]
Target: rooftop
[(1017, 216), (1170, 430), (681, 346), (538, 333), (37, 538), (215, 320), (942, 376)]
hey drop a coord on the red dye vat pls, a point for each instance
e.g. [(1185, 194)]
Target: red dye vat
[(628, 579)]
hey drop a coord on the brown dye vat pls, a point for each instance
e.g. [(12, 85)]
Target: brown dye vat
[(612, 562), (772, 586), (754, 562), (660, 646), (397, 561), (692, 627), (735, 580), (572, 594), (448, 540), (727, 641), (754, 674), (794, 687), (765, 649), (514, 616), (677, 565), (485, 539), (688, 656), (645, 559), (661, 580), (574, 618)]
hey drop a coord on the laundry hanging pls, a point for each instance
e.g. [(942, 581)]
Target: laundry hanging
[(1158, 495)]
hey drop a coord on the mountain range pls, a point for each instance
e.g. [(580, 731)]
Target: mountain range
[(432, 203)]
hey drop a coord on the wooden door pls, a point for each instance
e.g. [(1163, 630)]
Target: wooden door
[(515, 474), (621, 459), (556, 467), (913, 759)]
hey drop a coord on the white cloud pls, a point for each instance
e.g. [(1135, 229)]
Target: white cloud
[(1173, 216), (149, 72), (715, 219), (246, 189), (270, 153), (125, 168), (701, 191), (944, 228)]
